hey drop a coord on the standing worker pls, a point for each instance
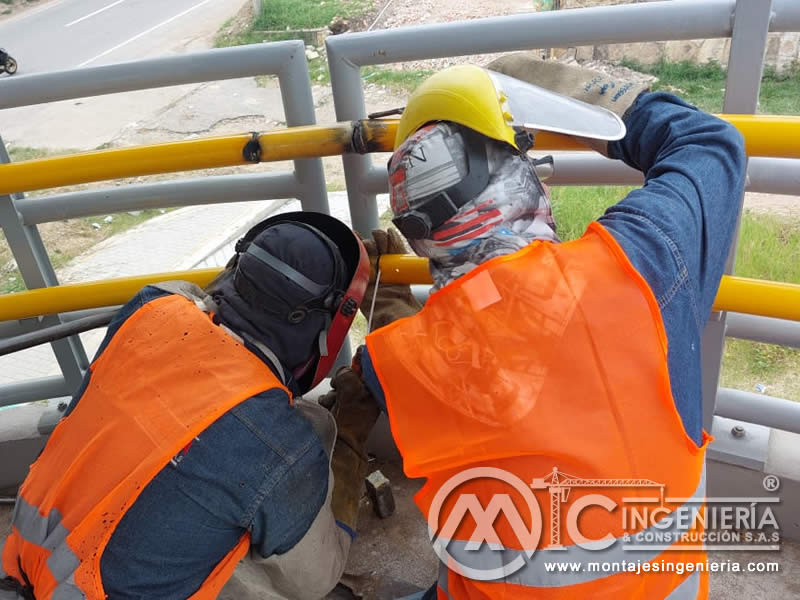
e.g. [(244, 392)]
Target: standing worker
[(187, 446), (534, 357)]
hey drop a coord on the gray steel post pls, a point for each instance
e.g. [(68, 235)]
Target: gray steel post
[(298, 106), (745, 68), (37, 271), (348, 99)]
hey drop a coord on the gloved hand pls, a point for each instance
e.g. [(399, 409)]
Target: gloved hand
[(355, 412), (577, 82), (394, 301)]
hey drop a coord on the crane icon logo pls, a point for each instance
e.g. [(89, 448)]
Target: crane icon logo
[(483, 556)]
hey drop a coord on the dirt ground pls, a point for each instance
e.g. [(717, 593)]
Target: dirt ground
[(10, 8)]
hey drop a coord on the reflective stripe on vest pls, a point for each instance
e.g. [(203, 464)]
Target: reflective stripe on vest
[(167, 374), (689, 589), (550, 365)]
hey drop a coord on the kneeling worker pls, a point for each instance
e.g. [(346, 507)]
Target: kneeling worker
[(187, 447)]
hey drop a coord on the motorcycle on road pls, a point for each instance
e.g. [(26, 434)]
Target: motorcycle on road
[(7, 63)]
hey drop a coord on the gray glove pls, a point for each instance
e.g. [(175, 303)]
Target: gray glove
[(576, 82)]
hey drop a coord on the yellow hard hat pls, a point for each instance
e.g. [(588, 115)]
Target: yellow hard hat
[(502, 108), (463, 94)]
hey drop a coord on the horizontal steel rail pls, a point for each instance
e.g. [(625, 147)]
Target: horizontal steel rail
[(187, 192), (13, 328), (765, 135), (764, 329), (196, 67), (33, 390), (765, 175), (736, 294), (758, 408), (556, 29)]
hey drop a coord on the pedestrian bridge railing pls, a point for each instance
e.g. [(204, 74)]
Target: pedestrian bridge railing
[(755, 310)]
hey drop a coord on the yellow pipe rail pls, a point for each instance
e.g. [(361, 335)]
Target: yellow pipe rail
[(773, 136), (736, 294)]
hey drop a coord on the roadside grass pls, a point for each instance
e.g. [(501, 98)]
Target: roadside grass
[(403, 80), (280, 21), (704, 85), (769, 248), (279, 15)]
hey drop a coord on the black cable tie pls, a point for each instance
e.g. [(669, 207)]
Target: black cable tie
[(385, 113), (252, 149)]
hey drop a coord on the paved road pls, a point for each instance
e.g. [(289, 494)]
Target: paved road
[(65, 34)]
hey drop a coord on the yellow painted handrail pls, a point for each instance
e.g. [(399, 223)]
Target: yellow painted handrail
[(765, 135), (736, 294)]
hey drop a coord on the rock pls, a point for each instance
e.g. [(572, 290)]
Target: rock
[(379, 490), (134, 213), (95, 225), (108, 219), (338, 25), (311, 54)]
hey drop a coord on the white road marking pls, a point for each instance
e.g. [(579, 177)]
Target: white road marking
[(142, 34), (91, 14)]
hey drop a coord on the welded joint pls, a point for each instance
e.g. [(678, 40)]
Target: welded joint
[(252, 149), (357, 141), (367, 136)]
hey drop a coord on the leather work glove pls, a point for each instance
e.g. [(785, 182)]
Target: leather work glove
[(394, 301), (355, 412), (577, 82)]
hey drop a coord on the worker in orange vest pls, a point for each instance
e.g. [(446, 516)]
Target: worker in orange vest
[(188, 447), (542, 373)]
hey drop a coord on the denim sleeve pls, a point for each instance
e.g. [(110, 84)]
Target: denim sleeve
[(677, 229), (371, 379), (295, 473)]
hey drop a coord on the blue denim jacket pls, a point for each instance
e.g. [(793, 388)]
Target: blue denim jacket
[(676, 230), (259, 468)]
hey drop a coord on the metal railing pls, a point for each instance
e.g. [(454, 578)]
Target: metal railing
[(747, 22), (286, 60)]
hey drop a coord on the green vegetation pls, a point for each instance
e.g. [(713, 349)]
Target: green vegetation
[(769, 248), (704, 85), (308, 14), (281, 16), (406, 80)]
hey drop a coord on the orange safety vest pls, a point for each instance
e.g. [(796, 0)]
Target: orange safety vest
[(549, 364), (167, 375)]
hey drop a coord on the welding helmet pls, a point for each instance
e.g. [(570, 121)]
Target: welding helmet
[(337, 300), (489, 105)]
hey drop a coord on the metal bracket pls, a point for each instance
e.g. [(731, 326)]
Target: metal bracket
[(739, 443)]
